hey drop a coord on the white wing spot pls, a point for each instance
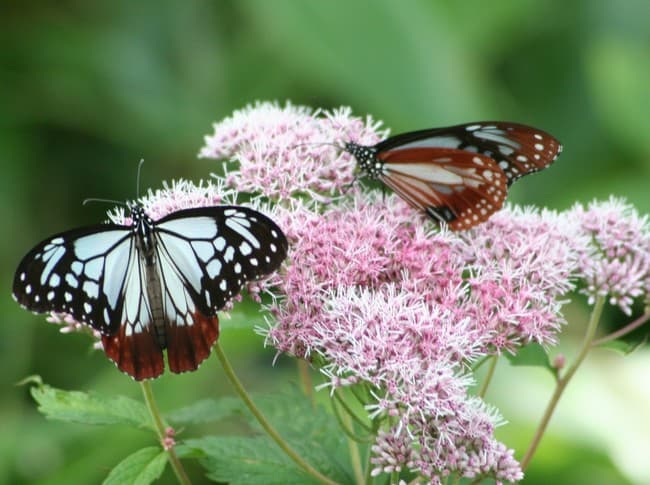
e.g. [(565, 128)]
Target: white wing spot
[(57, 240), (50, 295), (68, 296), (93, 269), (71, 280), (539, 147), (506, 150), (107, 319), (22, 276), (55, 280), (245, 248), (91, 289), (537, 136), (472, 127), (229, 254), (273, 247), (253, 261), (213, 268), (219, 243), (237, 268), (77, 267), (223, 285), (478, 161), (87, 307), (28, 289), (488, 175), (503, 164)]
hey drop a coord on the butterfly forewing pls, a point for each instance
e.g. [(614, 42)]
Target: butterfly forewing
[(517, 149), (79, 272)]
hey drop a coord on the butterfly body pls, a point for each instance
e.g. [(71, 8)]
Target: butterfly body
[(152, 285), (458, 174)]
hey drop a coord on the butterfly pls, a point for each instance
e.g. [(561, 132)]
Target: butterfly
[(458, 174), (152, 285)]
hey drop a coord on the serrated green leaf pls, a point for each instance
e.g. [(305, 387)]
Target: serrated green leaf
[(246, 460), (309, 429), (531, 355), (90, 408), (206, 410), (140, 468)]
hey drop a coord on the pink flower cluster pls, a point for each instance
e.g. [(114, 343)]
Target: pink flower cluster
[(616, 262), (282, 152), (376, 295)]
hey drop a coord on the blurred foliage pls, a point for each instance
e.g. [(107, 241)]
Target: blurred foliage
[(89, 88)]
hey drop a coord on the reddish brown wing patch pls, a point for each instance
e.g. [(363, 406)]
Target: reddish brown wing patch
[(189, 345), (138, 354), (537, 151), (458, 187)]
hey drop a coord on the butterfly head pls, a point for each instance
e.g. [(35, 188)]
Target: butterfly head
[(366, 158)]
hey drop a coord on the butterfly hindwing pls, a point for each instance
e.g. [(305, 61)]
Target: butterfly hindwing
[(453, 186)]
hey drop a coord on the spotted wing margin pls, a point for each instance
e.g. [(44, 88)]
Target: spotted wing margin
[(78, 272), (457, 187), (518, 149), (205, 256)]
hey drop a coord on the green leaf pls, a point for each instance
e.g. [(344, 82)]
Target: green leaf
[(243, 460), (531, 355), (141, 468), (311, 431), (90, 408), (206, 410)]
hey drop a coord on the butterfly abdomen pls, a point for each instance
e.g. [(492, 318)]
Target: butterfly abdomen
[(154, 293)]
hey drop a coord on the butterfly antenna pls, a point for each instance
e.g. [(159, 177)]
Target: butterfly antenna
[(315, 144), (106, 201), (137, 188)]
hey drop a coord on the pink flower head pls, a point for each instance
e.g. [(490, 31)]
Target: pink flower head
[(616, 263), (291, 150)]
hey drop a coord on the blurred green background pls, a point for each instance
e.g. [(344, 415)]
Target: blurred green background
[(89, 88)]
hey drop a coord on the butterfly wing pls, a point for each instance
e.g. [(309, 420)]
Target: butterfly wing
[(454, 186), (94, 275), (517, 149), (79, 272), (205, 256)]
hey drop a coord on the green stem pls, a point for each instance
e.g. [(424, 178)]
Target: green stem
[(275, 436), (350, 412), (623, 331), (174, 461), (345, 422), (564, 380), (488, 377), (375, 428), (355, 456), (304, 373)]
